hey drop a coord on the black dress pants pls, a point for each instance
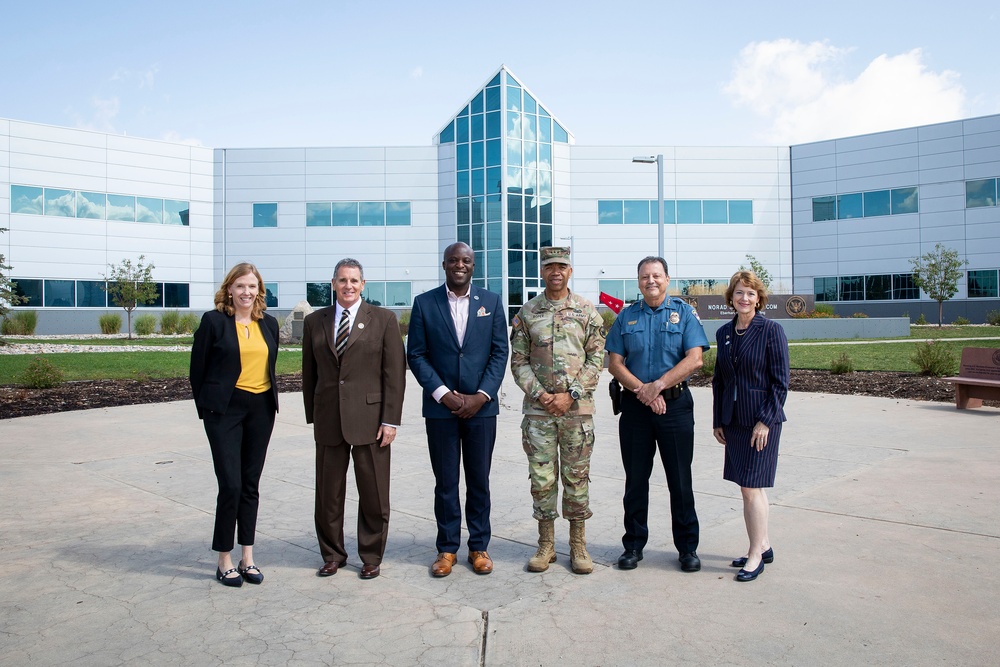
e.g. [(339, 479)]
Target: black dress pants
[(640, 433), (239, 440)]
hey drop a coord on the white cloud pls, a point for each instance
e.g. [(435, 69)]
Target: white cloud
[(803, 94), (177, 138), (103, 114), (417, 72)]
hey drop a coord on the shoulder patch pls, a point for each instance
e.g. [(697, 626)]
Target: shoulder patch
[(516, 322)]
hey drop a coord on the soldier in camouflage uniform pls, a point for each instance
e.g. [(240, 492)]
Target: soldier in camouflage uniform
[(557, 355)]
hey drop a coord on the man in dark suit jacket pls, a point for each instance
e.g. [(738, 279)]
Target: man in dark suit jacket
[(457, 349), (354, 398)]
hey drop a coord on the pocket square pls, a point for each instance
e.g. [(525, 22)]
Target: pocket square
[(482, 312)]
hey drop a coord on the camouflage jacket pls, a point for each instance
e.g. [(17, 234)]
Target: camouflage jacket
[(557, 348)]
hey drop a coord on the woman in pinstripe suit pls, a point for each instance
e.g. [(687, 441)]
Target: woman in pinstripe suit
[(749, 388)]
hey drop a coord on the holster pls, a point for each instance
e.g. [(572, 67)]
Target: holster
[(615, 389)]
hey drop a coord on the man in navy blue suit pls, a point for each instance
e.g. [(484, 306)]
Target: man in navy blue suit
[(457, 350)]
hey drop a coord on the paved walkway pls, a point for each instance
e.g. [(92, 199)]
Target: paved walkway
[(885, 523)]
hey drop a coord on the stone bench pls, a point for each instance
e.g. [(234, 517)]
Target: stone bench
[(978, 377)]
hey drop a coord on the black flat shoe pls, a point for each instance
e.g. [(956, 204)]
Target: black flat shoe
[(690, 561), (630, 559), (767, 557), (743, 575), (252, 574), (226, 580)]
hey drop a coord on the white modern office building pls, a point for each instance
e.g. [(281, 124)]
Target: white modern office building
[(839, 219)]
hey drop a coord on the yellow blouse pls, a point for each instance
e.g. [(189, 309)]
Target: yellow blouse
[(254, 376)]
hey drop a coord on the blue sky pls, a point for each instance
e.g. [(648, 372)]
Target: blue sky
[(333, 73)]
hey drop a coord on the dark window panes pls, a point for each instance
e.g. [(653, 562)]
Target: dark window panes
[(515, 235), (374, 293), (493, 97), (824, 208), (544, 129), (610, 212), (531, 209), (178, 295), (494, 180), (157, 301), (495, 81), (397, 214), (515, 205), (513, 98), (559, 134), (740, 212), (448, 134), (495, 285), (515, 263), (494, 235), (493, 125), (825, 289), (476, 106), (30, 291), (513, 153), (60, 293), (478, 210), (271, 295), (318, 214), (981, 193), (266, 215), (636, 211), (876, 203), (462, 129), (397, 294), (494, 264), (345, 213), (850, 206), (91, 205), (530, 237), (25, 199), (478, 155), (545, 235), (476, 127), (852, 288), (545, 210), (462, 183), (91, 294), (478, 181), (878, 288), (689, 211), (530, 264), (479, 273), (148, 209), (121, 207), (903, 287), (529, 124), (494, 152), (464, 234), (494, 208), (464, 208), (318, 294), (371, 214), (462, 156), (716, 211), (175, 212), (530, 106), (60, 202), (904, 200), (983, 284), (515, 291)]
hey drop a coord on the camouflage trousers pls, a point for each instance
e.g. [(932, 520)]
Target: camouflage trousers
[(565, 443)]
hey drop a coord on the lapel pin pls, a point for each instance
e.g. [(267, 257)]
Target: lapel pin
[(361, 325)]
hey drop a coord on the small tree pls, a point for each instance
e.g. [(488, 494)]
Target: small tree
[(129, 284), (937, 273), (8, 297), (759, 271)]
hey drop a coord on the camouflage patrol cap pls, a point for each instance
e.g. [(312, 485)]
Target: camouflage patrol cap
[(551, 255)]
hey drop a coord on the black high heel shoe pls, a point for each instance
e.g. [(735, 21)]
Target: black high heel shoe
[(226, 580), (251, 577), (743, 575), (766, 557)]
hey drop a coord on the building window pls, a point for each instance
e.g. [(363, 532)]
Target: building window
[(60, 202), (30, 291), (850, 206), (25, 199), (689, 212), (271, 295), (981, 193), (865, 204), (646, 211), (740, 212), (878, 287), (345, 213), (60, 294), (91, 294), (983, 284), (176, 212), (715, 211), (637, 212), (121, 207), (903, 287), (824, 208), (825, 289), (610, 212), (318, 214), (148, 210), (318, 294), (96, 205), (176, 295), (265, 215), (904, 200), (876, 203)]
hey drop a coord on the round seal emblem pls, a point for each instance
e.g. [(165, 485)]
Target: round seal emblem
[(675, 318), (996, 357), (795, 305)]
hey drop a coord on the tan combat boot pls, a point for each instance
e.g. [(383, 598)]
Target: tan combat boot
[(546, 547), (579, 558)]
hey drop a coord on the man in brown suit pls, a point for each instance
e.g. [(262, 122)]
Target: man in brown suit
[(353, 378)]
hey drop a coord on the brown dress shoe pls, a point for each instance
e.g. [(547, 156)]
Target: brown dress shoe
[(369, 571), (329, 569), (442, 566), (481, 562)]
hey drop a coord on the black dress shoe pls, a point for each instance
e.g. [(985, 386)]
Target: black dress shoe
[(690, 561), (767, 556), (369, 571), (329, 569), (252, 574), (630, 559), (743, 575), (224, 577)]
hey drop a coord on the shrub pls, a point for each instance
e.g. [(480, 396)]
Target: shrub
[(111, 323), (609, 317), (960, 321), (404, 323), (859, 315), (20, 323), (41, 374), (993, 317), (823, 310), (708, 364), (921, 319), (145, 325), (933, 359), (169, 322), (188, 323), (842, 364)]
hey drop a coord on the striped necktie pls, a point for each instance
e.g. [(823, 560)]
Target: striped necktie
[(343, 331)]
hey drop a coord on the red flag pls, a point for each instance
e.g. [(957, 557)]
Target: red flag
[(612, 303)]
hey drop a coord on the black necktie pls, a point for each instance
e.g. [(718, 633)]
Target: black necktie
[(343, 331)]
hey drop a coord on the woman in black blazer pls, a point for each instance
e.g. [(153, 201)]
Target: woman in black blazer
[(749, 387), (232, 379)]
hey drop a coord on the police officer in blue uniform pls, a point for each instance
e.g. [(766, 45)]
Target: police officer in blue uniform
[(654, 346)]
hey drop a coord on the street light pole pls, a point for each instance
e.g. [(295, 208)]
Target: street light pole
[(659, 196)]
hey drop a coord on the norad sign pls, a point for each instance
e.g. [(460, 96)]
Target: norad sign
[(779, 306)]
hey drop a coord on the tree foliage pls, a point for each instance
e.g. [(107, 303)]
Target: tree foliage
[(130, 284), (759, 271), (937, 273), (8, 297)]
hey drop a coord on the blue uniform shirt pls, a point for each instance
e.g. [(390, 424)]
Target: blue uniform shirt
[(653, 341)]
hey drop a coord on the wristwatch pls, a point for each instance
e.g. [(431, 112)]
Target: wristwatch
[(574, 394)]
